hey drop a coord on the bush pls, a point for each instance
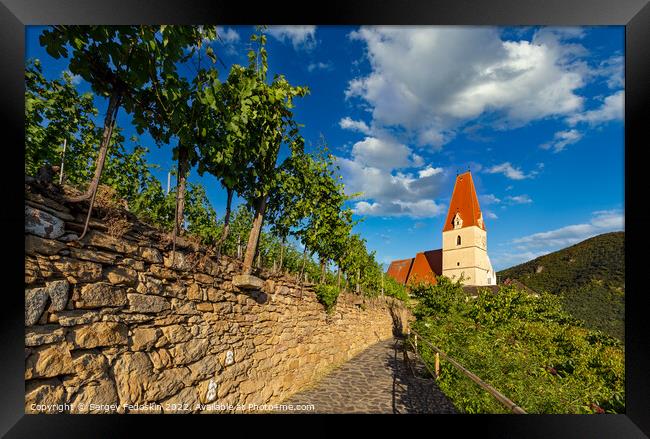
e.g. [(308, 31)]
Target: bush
[(394, 289), (327, 295), (445, 297), (527, 347)]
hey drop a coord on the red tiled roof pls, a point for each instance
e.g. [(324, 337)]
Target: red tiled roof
[(423, 268), (426, 267), (399, 270), (465, 202)]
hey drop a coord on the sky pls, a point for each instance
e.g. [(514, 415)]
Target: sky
[(535, 113)]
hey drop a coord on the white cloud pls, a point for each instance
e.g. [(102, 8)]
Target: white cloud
[(608, 219), (228, 35), (561, 139), (491, 215), (489, 199), (430, 80), (613, 70), (413, 209), (382, 153), (601, 222), (386, 192), (320, 66), (301, 37), (611, 109), (354, 125), (429, 171), (539, 244), (508, 170), (519, 199)]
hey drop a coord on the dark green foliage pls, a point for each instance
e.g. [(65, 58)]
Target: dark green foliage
[(527, 347), (589, 276), (327, 295), (395, 289), (446, 297), (54, 112), (233, 130)]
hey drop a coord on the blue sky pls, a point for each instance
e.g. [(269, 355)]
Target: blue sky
[(535, 113)]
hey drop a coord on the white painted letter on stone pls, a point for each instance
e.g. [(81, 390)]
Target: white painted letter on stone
[(212, 391), (230, 358)]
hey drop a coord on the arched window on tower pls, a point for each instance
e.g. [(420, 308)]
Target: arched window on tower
[(458, 240)]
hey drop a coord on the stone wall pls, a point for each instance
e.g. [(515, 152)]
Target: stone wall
[(111, 326)]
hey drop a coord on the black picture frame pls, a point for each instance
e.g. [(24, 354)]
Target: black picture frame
[(633, 14)]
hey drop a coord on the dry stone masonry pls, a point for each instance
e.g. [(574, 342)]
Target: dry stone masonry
[(112, 326)]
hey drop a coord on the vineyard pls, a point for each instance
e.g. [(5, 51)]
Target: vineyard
[(527, 347), (241, 131)]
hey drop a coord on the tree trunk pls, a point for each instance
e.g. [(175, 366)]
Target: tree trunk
[(338, 281), (65, 143), (180, 195), (226, 223), (322, 270), (254, 237), (109, 123), (304, 261), (282, 253), (358, 280)]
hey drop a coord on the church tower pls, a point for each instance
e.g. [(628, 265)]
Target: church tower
[(464, 237)]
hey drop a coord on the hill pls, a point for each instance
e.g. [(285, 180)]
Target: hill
[(589, 276)]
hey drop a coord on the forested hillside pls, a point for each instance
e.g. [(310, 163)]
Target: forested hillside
[(589, 277)]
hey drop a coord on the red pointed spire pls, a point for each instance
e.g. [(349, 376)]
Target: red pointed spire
[(464, 202)]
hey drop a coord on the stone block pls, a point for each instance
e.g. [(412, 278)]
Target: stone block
[(99, 397), (194, 292), (100, 334), (147, 303), (78, 271), (35, 300), (190, 351), (150, 255), (93, 255), (102, 240), (247, 281), (99, 295), (43, 224), (176, 333), (47, 394), (143, 339), (35, 244), (76, 317), (49, 362), (121, 275), (183, 402), (46, 334)]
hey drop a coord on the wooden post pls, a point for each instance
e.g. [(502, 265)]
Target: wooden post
[(437, 365), (275, 266), (65, 143), (358, 280)]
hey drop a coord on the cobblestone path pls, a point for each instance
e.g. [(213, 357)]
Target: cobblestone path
[(375, 381)]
